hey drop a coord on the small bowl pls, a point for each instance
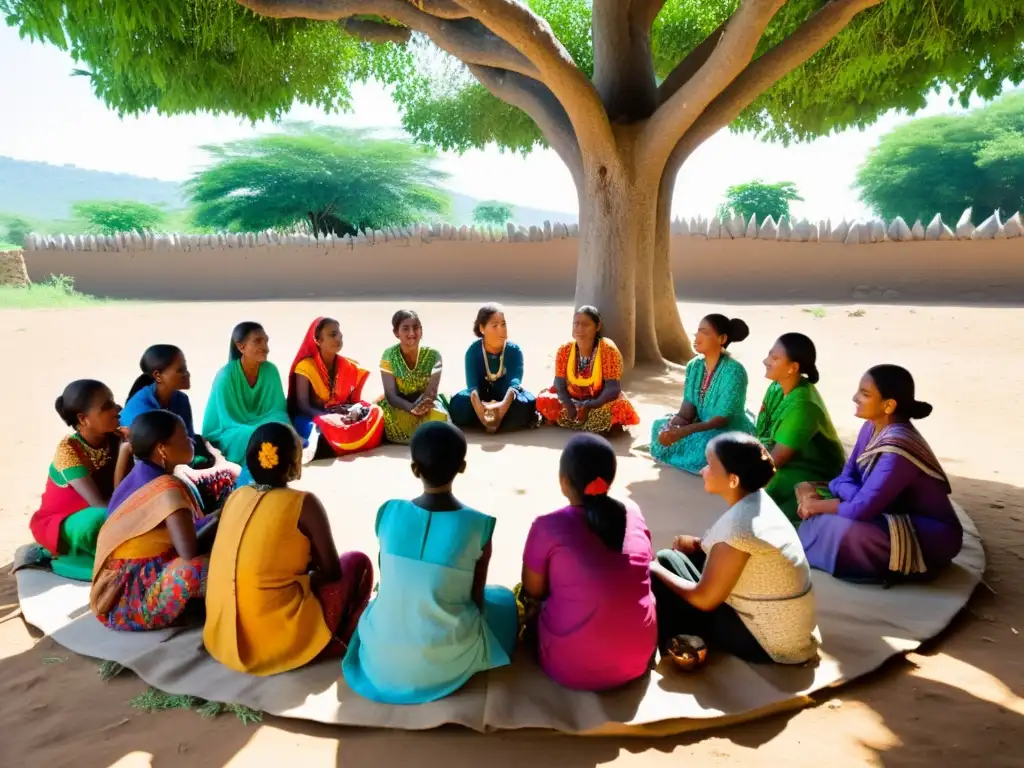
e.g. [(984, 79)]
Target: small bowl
[(687, 652)]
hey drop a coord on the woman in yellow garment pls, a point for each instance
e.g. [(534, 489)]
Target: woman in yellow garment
[(277, 595)]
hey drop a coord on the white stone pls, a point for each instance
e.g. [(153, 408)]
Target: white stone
[(574, 230), (802, 231), (988, 228), (751, 232), (1014, 227), (877, 230), (838, 235), (684, 228), (737, 227), (856, 235), (917, 231), (937, 230), (785, 230), (825, 229), (964, 227), (767, 230), (899, 232), (714, 230)]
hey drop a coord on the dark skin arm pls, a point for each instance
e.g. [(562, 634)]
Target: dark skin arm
[(205, 537), (306, 400), (391, 393), (782, 455), (480, 576), (687, 415), (611, 390), (314, 525), (183, 534), (86, 488), (535, 585), (675, 434), (425, 401), (562, 390)]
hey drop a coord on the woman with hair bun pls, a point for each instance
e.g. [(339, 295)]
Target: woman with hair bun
[(278, 595), (889, 517), (714, 397), (744, 587), (794, 424), (589, 564), (86, 468)]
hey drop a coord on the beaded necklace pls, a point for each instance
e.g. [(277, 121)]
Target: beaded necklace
[(492, 377)]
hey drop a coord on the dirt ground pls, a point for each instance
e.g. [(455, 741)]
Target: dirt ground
[(957, 701)]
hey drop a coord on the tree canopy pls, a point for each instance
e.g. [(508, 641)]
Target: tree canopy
[(335, 179), (17, 228), (949, 163), (760, 199), (107, 217), (492, 212)]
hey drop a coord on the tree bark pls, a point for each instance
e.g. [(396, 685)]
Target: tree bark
[(673, 343)]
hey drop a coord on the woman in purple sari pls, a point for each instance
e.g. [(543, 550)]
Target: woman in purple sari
[(888, 516)]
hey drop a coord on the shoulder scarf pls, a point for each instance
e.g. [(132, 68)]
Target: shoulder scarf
[(596, 379), (349, 378)]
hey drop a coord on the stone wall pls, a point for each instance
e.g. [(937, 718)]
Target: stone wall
[(12, 269), (735, 260)]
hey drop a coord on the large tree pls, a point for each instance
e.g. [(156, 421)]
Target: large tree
[(108, 217), (756, 198), (623, 90), (337, 180), (949, 163)]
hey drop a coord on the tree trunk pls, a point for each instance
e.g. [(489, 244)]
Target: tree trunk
[(673, 342)]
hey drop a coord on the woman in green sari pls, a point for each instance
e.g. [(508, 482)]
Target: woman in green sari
[(794, 424), (411, 375), (246, 394)]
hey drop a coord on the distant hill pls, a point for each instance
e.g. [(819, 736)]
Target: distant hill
[(42, 191)]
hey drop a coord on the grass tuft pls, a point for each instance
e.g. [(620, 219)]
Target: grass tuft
[(109, 670), (57, 292), (154, 700)]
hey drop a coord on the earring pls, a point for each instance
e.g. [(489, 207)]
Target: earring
[(734, 483)]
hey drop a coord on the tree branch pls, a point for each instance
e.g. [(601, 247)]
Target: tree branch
[(460, 35), (516, 24), (623, 65), (732, 53), (644, 12), (809, 38), (376, 31), (690, 64), (537, 101)]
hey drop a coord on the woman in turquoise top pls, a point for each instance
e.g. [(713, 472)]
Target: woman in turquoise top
[(714, 398), (434, 624)]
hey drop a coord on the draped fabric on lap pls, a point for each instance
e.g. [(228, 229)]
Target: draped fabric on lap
[(235, 410), (399, 424), (139, 582), (722, 394), (65, 524), (345, 387), (585, 382)]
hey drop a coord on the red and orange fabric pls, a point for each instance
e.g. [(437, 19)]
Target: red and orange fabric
[(346, 389), (586, 383)]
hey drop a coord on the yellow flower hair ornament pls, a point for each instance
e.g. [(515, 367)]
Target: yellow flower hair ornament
[(268, 456)]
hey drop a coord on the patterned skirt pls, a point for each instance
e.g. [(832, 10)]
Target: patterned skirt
[(618, 413), (400, 425), (155, 591)]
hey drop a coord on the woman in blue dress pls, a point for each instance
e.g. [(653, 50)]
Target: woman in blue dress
[(714, 398), (494, 397), (434, 623)]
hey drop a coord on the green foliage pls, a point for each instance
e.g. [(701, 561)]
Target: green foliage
[(17, 229), (106, 217), (58, 292), (756, 197), (492, 212), (154, 700), (189, 55), (336, 179), (946, 164)]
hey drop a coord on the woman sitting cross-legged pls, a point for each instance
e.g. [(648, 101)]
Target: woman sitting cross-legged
[(87, 466), (794, 424), (587, 393), (433, 624), (246, 394), (745, 586), (411, 375), (149, 554), (590, 564), (714, 397), (278, 595), (889, 517), (162, 385), (494, 397), (325, 396)]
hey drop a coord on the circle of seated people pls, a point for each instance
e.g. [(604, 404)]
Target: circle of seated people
[(159, 517)]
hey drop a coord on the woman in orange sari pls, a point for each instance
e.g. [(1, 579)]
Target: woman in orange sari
[(325, 396), (587, 394)]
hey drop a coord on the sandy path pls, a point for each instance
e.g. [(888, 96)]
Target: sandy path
[(957, 702)]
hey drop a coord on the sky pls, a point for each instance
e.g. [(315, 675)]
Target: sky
[(51, 116)]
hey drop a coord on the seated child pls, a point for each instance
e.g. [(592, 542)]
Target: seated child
[(434, 624)]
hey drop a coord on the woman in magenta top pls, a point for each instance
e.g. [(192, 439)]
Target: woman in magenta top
[(590, 565)]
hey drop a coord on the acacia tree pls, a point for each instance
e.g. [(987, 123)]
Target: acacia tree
[(108, 217), (492, 212), (756, 198), (623, 90)]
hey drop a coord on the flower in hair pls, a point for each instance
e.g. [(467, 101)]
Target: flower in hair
[(596, 487), (268, 456)]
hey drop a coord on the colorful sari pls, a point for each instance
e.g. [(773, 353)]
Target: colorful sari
[(799, 421), (722, 393), (586, 383), (264, 616), (139, 582), (213, 480), (65, 525), (235, 409), (343, 386), (399, 425)]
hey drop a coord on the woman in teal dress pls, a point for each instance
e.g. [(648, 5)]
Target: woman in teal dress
[(794, 424), (434, 624), (247, 393), (714, 398), (411, 375)]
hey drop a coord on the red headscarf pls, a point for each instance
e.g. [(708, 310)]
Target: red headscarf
[(349, 378)]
